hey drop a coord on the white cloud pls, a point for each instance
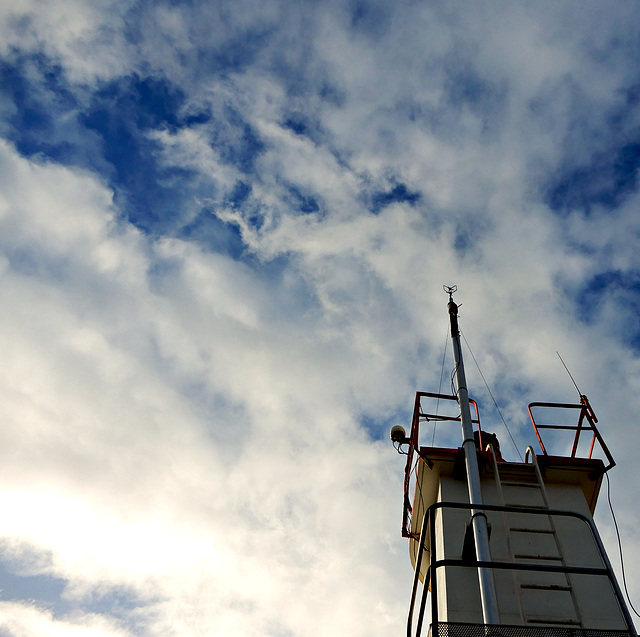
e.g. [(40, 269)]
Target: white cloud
[(113, 474), (22, 620), (186, 426), (87, 39)]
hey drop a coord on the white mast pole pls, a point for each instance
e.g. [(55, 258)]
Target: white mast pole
[(478, 518)]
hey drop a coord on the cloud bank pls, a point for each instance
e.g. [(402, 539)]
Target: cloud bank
[(224, 231)]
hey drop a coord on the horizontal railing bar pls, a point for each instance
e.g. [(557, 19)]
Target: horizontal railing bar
[(570, 427), (522, 566), (560, 405)]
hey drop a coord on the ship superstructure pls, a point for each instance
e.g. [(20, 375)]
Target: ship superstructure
[(508, 548)]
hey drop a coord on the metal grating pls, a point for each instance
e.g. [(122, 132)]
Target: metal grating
[(451, 629)]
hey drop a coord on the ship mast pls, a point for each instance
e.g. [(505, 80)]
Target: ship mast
[(478, 518)]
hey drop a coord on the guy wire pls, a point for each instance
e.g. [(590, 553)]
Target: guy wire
[(504, 422), (444, 354)]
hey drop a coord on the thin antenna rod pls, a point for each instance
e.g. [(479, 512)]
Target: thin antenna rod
[(570, 376)]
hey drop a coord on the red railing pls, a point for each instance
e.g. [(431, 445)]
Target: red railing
[(414, 445), (586, 423)]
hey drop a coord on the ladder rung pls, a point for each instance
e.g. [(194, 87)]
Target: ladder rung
[(552, 620), (523, 556), (516, 505), (546, 587), (529, 485)]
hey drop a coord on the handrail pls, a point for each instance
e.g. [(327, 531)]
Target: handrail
[(429, 519), (496, 471), (586, 421), (529, 452)]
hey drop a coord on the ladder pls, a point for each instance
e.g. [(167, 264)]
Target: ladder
[(543, 598)]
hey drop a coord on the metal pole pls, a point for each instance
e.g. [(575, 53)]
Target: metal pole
[(478, 518)]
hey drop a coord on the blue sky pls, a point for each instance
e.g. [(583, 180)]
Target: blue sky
[(224, 231)]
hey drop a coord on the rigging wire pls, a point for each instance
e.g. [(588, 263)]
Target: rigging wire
[(414, 469), (504, 422), (615, 524), (444, 354)]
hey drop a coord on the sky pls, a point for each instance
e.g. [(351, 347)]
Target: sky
[(224, 231)]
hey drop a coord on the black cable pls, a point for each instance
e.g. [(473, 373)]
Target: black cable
[(398, 447), (492, 398), (414, 470), (615, 524)]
